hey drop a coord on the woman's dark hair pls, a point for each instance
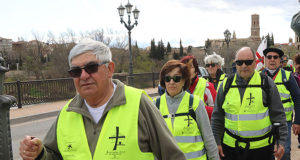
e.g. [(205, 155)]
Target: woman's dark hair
[(297, 60), (183, 69), (187, 59)]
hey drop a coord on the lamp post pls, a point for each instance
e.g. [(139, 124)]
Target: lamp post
[(227, 36), (129, 27)]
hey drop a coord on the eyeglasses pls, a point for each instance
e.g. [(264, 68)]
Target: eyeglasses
[(89, 68), (284, 61), (274, 57), (212, 65), (176, 79), (247, 62)]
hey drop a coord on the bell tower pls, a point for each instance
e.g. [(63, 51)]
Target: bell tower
[(255, 29)]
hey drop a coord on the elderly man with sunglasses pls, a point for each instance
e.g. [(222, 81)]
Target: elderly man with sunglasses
[(244, 113), (288, 90), (106, 120)]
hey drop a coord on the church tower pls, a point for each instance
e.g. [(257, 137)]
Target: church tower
[(255, 29)]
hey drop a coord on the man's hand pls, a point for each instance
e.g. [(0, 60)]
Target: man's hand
[(296, 129), (30, 148), (278, 153), (220, 151)]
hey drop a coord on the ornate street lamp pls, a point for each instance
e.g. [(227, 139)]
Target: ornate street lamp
[(227, 36), (129, 27)]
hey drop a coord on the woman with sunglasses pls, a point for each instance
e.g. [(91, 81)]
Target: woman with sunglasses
[(213, 64), (200, 86), (185, 114)]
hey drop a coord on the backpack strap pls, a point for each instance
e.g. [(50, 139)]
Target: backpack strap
[(191, 110), (284, 79), (228, 84), (190, 113), (157, 102), (265, 86)]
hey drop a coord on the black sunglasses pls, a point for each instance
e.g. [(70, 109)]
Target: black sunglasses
[(212, 65), (89, 68), (247, 62), (176, 79), (274, 57)]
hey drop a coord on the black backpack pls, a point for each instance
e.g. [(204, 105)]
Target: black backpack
[(264, 85)]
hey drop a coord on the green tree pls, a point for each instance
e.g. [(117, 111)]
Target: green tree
[(181, 49), (207, 46), (152, 53), (272, 40), (161, 50), (169, 48)]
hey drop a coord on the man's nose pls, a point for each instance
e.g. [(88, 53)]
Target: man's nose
[(84, 74)]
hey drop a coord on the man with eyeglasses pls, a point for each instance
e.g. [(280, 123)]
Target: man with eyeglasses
[(285, 65), (244, 113), (288, 90), (106, 120)]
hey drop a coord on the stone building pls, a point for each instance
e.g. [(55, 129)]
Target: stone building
[(220, 47), (253, 40), (5, 45)]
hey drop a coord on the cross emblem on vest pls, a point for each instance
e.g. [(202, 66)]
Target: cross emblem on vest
[(117, 137), (189, 120), (70, 146), (251, 99)]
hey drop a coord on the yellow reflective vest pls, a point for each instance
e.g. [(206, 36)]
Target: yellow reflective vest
[(118, 139), (200, 88), (285, 94), (185, 129), (222, 77), (246, 118)]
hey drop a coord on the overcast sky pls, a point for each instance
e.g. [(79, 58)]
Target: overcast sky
[(191, 20)]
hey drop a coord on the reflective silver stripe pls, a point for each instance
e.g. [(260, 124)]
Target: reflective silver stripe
[(284, 95), (232, 117), (188, 139), (247, 117), (252, 133), (289, 109), (196, 154)]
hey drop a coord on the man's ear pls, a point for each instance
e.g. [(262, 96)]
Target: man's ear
[(111, 68)]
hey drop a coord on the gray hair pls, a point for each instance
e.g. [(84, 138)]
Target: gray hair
[(214, 58), (97, 48)]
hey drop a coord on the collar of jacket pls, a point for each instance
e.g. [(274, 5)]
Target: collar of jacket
[(270, 74), (77, 104)]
